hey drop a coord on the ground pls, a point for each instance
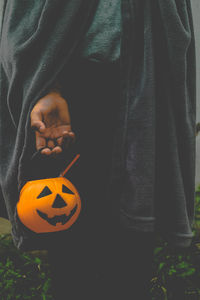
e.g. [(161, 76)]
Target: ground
[(25, 275)]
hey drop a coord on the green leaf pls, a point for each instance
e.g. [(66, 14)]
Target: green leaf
[(157, 250), (187, 273), (46, 285), (172, 271), (183, 265), (37, 260), (161, 266)]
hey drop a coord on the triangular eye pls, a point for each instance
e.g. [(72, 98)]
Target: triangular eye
[(66, 190), (45, 192)]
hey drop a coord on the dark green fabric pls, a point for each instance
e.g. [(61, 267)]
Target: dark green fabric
[(102, 41), (152, 184), (38, 38), (157, 120)]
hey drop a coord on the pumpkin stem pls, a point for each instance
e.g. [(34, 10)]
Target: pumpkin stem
[(70, 165)]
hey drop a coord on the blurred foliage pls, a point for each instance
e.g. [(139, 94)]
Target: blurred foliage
[(177, 271), (25, 275)]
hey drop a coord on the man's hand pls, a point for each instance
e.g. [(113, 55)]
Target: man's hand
[(50, 119)]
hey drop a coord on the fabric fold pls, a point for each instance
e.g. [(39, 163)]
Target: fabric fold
[(153, 159)]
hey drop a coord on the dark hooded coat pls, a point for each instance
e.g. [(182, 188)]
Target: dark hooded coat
[(153, 163)]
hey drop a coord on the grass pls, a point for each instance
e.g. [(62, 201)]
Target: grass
[(177, 271), (25, 275)]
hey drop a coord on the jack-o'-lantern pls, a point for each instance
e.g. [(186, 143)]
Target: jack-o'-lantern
[(49, 205)]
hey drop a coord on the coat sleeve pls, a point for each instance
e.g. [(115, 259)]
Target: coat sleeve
[(159, 111), (38, 40), (176, 117), (47, 32)]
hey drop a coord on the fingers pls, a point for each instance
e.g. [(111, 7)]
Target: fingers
[(71, 135), (56, 150), (50, 144), (60, 141), (41, 144), (51, 140), (46, 151), (67, 138), (40, 141), (36, 121), (55, 146), (51, 121), (64, 142), (60, 131)]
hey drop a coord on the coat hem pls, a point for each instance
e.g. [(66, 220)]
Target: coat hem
[(147, 224)]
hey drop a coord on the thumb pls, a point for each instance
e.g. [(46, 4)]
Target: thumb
[(36, 121)]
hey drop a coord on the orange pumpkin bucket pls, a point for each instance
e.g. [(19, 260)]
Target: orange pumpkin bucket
[(49, 205)]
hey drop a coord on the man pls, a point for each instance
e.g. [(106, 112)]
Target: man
[(152, 145)]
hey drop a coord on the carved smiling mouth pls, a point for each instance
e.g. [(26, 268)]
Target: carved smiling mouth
[(63, 219)]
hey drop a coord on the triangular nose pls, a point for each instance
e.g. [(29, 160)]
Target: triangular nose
[(59, 202)]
